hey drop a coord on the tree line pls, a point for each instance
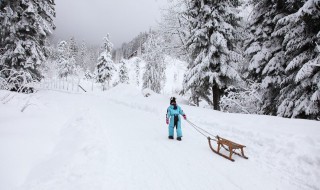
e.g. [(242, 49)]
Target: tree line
[(267, 64)]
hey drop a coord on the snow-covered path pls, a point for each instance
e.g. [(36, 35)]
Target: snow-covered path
[(119, 141)]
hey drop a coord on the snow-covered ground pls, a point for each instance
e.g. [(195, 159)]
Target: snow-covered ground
[(117, 139)]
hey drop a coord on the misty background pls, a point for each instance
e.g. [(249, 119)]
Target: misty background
[(92, 20)]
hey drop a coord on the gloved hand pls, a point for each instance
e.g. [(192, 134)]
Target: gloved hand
[(167, 121), (184, 116)]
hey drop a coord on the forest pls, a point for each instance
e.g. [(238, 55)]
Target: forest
[(264, 62)]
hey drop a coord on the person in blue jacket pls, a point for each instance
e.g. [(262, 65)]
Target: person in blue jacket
[(173, 118)]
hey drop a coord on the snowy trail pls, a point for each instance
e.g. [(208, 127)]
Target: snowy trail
[(120, 142)]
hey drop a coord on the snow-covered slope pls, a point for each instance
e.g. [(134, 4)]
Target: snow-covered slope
[(118, 140)]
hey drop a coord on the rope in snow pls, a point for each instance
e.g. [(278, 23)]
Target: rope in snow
[(199, 129)]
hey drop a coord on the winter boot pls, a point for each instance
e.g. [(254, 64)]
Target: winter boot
[(179, 138), (170, 137)]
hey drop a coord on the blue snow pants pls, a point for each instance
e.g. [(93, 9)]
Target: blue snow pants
[(171, 128)]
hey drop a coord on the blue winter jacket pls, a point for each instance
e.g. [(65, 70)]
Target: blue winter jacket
[(171, 112)]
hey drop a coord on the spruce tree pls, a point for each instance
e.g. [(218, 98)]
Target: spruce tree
[(105, 66), (73, 49), (65, 63), (25, 26), (300, 31), (264, 51), (123, 73), (212, 43)]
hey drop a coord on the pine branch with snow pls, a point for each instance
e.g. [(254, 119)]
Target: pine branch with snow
[(25, 26), (264, 53), (300, 31)]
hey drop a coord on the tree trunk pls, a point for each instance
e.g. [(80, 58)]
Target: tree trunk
[(216, 97), (104, 86), (197, 101)]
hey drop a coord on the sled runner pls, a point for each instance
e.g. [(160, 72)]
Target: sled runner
[(232, 146)]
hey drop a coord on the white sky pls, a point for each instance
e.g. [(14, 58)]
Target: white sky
[(91, 20)]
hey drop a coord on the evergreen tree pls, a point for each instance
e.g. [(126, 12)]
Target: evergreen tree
[(137, 69), (25, 26), (213, 47), (265, 52), (83, 54), (300, 31), (66, 63), (123, 73), (105, 66), (73, 48), (154, 76)]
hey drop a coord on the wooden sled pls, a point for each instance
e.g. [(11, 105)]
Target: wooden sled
[(231, 147)]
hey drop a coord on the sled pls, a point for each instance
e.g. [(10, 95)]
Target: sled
[(232, 146)]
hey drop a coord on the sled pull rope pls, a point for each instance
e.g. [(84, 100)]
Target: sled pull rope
[(201, 131)]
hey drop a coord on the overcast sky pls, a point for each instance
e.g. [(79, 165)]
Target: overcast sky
[(91, 20)]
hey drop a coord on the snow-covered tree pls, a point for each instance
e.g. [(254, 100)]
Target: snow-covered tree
[(300, 31), (105, 66), (133, 48), (25, 26), (213, 48), (264, 51), (82, 58), (154, 76), (174, 29), (137, 70), (123, 72), (65, 63), (73, 48)]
